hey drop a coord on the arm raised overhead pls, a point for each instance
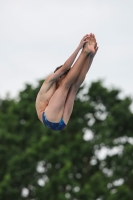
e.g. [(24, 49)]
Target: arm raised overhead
[(67, 65)]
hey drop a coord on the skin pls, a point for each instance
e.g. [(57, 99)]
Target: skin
[(59, 81), (57, 93)]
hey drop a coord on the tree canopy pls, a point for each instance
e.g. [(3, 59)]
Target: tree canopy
[(91, 159)]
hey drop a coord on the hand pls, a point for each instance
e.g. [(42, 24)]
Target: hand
[(83, 41)]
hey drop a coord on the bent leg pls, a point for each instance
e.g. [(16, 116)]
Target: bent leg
[(61, 103), (68, 108), (74, 88), (89, 48), (54, 110), (75, 70), (79, 80), (87, 64)]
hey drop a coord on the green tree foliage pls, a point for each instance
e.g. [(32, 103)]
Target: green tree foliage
[(91, 159)]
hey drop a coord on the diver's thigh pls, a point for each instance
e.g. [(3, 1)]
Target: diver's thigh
[(54, 110), (68, 108)]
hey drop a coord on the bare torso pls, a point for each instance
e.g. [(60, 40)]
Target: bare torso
[(46, 92)]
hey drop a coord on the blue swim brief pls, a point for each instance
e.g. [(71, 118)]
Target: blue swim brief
[(53, 126)]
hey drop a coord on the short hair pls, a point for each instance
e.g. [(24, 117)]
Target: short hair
[(57, 68)]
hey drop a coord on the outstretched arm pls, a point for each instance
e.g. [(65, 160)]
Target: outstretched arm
[(71, 59), (67, 65)]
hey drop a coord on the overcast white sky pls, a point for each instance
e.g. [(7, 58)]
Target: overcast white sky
[(36, 36)]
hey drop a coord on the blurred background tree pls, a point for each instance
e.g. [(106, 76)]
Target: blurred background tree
[(91, 159)]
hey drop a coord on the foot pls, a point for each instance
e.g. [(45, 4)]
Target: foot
[(92, 54), (91, 44)]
